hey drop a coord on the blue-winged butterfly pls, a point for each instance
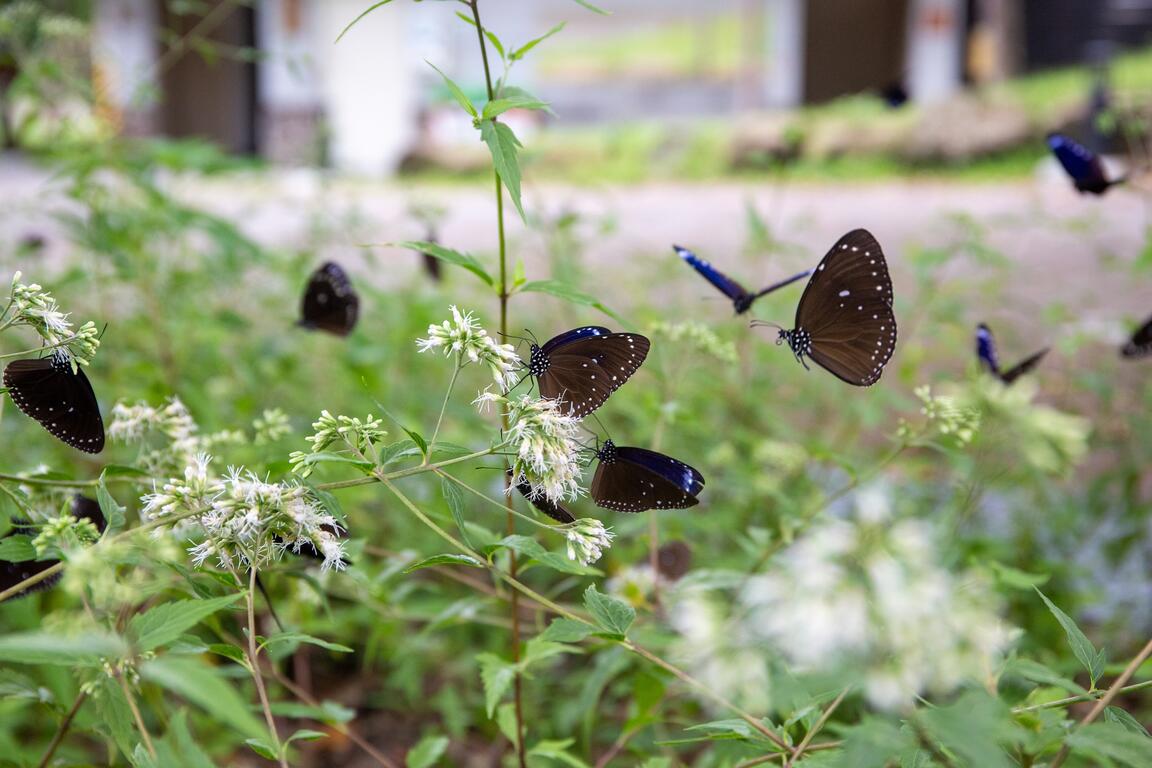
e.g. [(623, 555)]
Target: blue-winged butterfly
[(986, 353), (635, 479), (582, 367), (1082, 164), (741, 297)]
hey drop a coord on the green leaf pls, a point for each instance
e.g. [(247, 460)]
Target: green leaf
[(300, 638), (519, 53), (1015, 578), (115, 716), (1082, 647), (455, 501), (398, 450), (537, 649), (184, 746), (1039, 673), (228, 651), (557, 749), (88, 649), (427, 751), (262, 748), (17, 548), (971, 727), (568, 293), (521, 100), (497, 675), (306, 734), (164, 623), (1109, 741), (447, 558), (592, 8), (344, 32), (613, 615), (113, 512), (457, 93), (872, 743), (563, 630), (499, 46), (1122, 718), (529, 547), (204, 686), (418, 439), (456, 258), (502, 144)]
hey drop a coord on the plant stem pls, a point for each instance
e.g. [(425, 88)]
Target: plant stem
[(1093, 696), (254, 665), (65, 724), (406, 472), (1105, 700), (136, 714), (443, 407), (491, 500), (803, 745)]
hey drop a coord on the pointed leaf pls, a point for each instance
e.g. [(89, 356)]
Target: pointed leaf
[(353, 23), (447, 558), (205, 687), (426, 752), (520, 100), (566, 292), (457, 93), (529, 547), (503, 145), (519, 53), (497, 675), (455, 501), (1111, 741), (613, 615), (164, 623), (563, 630), (456, 258), (113, 512), (1082, 647), (89, 649)]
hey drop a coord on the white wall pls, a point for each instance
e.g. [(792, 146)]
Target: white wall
[(784, 65), (124, 51), (934, 63)]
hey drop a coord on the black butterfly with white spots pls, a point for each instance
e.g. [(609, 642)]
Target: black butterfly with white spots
[(581, 368), (330, 304), (554, 510), (635, 479), (844, 321), (741, 297), (60, 397), (986, 353), (12, 572)]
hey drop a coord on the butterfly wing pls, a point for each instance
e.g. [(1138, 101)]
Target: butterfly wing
[(1141, 342), (62, 400), (541, 502), (729, 287), (986, 349), (781, 284), (12, 573), (846, 311), (583, 372), (1023, 367), (1081, 163), (329, 302), (635, 479)]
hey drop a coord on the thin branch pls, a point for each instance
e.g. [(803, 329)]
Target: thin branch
[(254, 665), (803, 745), (62, 730)]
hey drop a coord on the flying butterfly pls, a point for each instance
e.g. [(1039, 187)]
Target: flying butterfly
[(12, 573), (844, 321), (329, 303), (60, 398), (430, 262), (741, 297), (986, 352), (581, 368), (1082, 164), (1140, 345), (635, 479), (541, 502)]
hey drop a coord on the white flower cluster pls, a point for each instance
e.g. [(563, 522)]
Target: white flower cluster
[(587, 540), (869, 597), (356, 434), (951, 418), (246, 521), (173, 421), (31, 305), (271, 426), (701, 338), (547, 451), (463, 336)]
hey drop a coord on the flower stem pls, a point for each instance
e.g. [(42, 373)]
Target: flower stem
[(443, 407), (147, 739), (803, 745), (254, 666), (62, 730)]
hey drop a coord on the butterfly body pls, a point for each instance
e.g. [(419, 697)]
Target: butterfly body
[(1140, 345), (986, 354), (631, 479), (582, 367), (844, 321), (555, 511), (1082, 165), (330, 304), (741, 297), (60, 398)]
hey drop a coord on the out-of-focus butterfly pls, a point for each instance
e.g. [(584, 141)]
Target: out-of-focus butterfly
[(555, 511), (431, 263), (741, 297), (1140, 345), (673, 560), (986, 352), (1082, 164), (582, 367), (329, 303), (59, 397), (635, 479), (844, 321), (12, 573)]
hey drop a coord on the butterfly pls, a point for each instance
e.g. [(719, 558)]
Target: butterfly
[(541, 502), (431, 263), (329, 302), (635, 479), (60, 398), (986, 352), (582, 367), (1140, 343), (12, 573), (844, 320), (741, 297), (1082, 164)]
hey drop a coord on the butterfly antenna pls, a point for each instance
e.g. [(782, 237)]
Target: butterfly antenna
[(101, 334), (511, 336), (763, 323)]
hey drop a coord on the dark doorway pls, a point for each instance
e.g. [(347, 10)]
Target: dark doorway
[(209, 87), (852, 46)]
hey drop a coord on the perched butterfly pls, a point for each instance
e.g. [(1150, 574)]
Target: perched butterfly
[(741, 297), (542, 503), (431, 263), (986, 352), (60, 398), (329, 302), (1140, 343), (12, 573), (673, 560), (844, 320), (1082, 164), (582, 367), (635, 479)]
